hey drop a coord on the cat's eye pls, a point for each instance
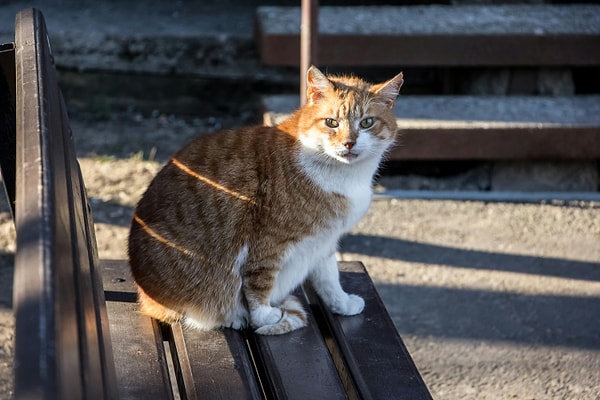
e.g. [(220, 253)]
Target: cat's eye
[(367, 123), (331, 123)]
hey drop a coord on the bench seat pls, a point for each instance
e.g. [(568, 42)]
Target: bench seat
[(334, 357), (484, 127), (436, 35)]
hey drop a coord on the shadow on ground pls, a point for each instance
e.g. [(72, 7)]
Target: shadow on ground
[(410, 251), (479, 315), (486, 315)]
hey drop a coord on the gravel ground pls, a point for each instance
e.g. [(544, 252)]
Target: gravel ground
[(494, 300)]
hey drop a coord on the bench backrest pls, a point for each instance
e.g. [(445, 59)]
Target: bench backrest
[(62, 346)]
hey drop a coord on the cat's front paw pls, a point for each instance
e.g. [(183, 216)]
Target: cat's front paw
[(351, 305), (265, 315)]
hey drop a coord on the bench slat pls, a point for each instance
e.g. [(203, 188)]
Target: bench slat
[(490, 127), (215, 364), (298, 364), (367, 346), (139, 357), (456, 35), (88, 282), (137, 342)]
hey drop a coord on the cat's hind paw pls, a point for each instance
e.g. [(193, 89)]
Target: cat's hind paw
[(265, 315), (352, 305), (294, 317)]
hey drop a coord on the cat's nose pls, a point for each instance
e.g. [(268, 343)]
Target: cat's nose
[(349, 145)]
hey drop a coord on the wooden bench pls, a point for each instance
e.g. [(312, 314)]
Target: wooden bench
[(78, 330)]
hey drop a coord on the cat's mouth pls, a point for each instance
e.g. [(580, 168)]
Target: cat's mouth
[(349, 155)]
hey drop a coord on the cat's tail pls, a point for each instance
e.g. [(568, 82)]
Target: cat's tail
[(294, 317)]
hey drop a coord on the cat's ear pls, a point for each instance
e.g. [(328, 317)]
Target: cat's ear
[(316, 84), (389, 90)]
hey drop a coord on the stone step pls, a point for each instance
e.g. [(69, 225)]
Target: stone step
[(484, 127), (437, 35)]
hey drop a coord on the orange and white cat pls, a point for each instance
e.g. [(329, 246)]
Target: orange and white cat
[(237, 220)]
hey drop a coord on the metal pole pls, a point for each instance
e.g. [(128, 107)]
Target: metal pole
[(309, 30)]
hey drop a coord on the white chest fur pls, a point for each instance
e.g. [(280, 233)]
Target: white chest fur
[(352, 183)]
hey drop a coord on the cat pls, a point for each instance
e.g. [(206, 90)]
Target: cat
[(238, 219)]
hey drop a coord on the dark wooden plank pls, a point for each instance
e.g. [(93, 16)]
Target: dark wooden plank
[(456, 35), (497, 143), (214, 364), (94, 329), (297, 365), (368, 346), (490, 128), (61, 346), (32, 293), (137, 341)]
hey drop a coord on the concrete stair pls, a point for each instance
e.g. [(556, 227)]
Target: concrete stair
[(437, 35), (451, 127), (485, 127)]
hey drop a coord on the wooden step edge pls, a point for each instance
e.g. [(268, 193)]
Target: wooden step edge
[(515, 35), (535, 134)]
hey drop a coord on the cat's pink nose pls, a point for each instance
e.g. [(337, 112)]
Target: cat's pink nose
[(349, 145)]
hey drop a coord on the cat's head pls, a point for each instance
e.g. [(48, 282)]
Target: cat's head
[(346, 119)]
